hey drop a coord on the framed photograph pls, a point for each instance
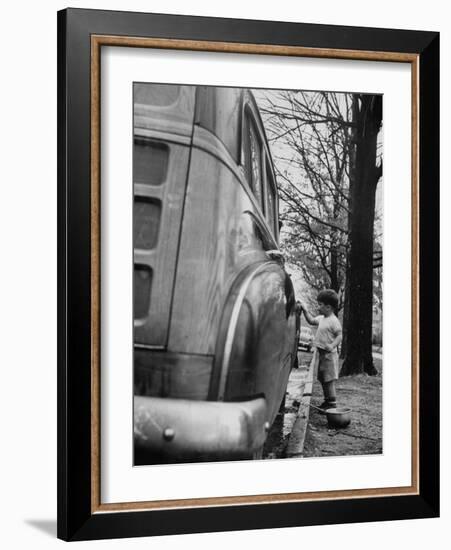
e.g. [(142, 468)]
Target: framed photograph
[(248, 274)]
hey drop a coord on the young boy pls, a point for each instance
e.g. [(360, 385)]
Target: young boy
[(328, 337)]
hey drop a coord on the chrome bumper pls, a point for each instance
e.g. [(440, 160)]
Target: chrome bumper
[(183, 429)]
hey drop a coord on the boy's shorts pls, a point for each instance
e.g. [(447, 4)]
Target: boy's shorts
[(327, 365)]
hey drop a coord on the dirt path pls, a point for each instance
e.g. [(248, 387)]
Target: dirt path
[(363, 394)]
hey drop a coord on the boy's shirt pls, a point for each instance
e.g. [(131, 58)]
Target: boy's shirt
[(328, 329)]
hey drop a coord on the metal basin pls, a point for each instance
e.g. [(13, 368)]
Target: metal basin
[(338, 418)]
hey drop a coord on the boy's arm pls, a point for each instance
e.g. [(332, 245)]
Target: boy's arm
[(336, 341), (310, 320)]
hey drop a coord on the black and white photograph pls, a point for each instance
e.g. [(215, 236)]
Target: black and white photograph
[(257, 273), (225, 252)]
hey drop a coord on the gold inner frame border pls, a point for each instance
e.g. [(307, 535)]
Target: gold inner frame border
[(97, 41)]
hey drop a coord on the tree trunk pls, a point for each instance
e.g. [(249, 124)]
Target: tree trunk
[(344, 342), (334, 282), (352, 176), (358, 354)]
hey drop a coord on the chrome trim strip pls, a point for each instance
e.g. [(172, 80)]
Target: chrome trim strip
[(162, 134), (148, 347), (149, 191), (232, 328), (144, 257)]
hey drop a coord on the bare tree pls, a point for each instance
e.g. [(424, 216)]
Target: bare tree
[(311, 132), (328, 167), (365, 174)]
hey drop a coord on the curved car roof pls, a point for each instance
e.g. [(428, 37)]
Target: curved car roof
[(220, 110)]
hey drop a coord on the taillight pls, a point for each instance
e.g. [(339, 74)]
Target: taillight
[(142, 284), (150, 162), (146, 222)]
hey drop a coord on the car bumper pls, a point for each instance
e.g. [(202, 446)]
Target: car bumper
[(169, 430)]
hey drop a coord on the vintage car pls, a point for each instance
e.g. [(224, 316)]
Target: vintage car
[(214, 310)]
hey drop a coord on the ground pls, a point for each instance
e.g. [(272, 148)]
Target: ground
[(363, 394)]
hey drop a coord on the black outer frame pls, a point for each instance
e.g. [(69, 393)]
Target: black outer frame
[(75, 520)]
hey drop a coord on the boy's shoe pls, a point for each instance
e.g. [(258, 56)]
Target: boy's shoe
[(328, 405)]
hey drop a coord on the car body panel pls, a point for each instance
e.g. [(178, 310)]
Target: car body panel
[(216, 316)]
